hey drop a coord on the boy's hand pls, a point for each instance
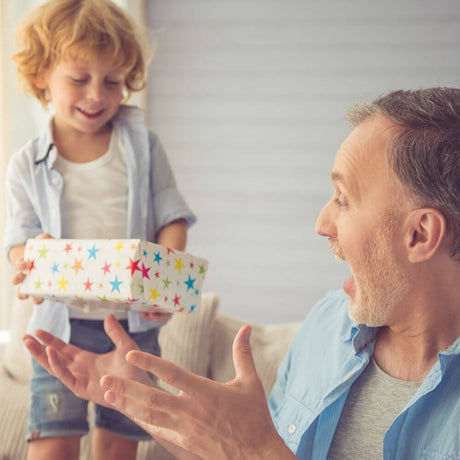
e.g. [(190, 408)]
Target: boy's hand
[(22, 266)]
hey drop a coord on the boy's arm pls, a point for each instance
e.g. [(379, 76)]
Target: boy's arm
[(173, 235)]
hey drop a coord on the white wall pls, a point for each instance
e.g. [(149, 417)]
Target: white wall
[(249, 99)]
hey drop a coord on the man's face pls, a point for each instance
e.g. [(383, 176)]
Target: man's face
[(363, 221)]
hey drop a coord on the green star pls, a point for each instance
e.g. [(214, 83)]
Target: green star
[(43, 252), (202, 270), (166, 283)]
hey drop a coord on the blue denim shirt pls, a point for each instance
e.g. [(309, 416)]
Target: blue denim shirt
[(327, 356), (33, 190)]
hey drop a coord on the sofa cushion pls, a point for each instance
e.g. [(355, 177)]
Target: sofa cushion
[(186, 338), (269, 344)]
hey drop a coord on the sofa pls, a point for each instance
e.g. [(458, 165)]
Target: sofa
[(201, 342)]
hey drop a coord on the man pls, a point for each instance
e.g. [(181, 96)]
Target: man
[(375, 369)]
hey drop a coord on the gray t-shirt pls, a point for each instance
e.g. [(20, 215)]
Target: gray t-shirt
[(375, 400)]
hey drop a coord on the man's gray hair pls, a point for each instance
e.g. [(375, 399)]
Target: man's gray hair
[(425, 154)]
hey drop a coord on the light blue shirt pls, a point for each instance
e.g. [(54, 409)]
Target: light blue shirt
[(33, 191), (314, 379)]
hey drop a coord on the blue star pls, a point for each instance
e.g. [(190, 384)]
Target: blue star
[(116, 284), (192, 307), (189, 283), (144, 253), (55, 267), (157, 257), (92, 252)]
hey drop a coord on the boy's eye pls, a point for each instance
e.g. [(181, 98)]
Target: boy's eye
[(112, 83), (79, 81)]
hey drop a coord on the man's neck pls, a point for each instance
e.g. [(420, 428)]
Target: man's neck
[(409, 348)]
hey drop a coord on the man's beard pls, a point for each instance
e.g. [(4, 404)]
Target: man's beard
[(380, 281)]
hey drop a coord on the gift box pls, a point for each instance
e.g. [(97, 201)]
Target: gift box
[(125, 274)]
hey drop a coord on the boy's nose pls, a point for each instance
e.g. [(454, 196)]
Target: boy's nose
[(325, 225), (95, 91)]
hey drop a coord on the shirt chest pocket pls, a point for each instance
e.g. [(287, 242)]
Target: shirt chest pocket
[(292, 420)]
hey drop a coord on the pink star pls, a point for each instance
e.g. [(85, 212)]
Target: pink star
[(88, 285), (106, 268), (145, 271)]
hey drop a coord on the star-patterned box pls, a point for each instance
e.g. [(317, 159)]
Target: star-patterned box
[(126, 274)]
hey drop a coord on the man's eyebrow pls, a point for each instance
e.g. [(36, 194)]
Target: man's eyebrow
[(337, 177)]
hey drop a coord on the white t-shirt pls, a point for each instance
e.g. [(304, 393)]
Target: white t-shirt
[(94, 203)]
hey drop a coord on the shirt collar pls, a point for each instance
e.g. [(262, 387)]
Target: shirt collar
[(47, 151)]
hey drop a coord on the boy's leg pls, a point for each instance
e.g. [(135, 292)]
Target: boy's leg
[(65, 448), (109, 446)]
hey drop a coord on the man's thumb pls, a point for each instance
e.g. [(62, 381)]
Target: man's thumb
[(242, 354)]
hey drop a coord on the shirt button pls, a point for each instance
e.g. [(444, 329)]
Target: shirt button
[(292, 428)]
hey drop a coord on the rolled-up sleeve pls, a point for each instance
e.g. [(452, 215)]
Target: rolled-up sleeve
[(168, 203), (22, 221)]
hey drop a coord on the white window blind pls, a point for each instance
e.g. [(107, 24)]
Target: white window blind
[(249, 99)]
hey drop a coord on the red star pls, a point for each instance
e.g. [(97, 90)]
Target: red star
[(170, 250), (130, 299), (165, 299), (191, 265), (133, 265), (68, 248), (88, 285), (32, 265), (106, 268), (176, 300), (145, 271), (157, 275)]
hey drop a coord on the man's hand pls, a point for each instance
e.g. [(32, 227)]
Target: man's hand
[(81, 370), (210, 419)]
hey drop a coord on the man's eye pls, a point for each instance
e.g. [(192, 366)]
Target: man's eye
[(341, 201)]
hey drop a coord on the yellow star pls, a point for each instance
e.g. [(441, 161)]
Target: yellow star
[(119, 246), (43, 252), (154, 295), (118, 264), (179, 265), (63, 283), (77, 266)]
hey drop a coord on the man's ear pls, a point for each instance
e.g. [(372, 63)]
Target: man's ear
[(426, 231)]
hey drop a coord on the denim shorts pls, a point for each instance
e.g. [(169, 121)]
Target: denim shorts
[(54, 411)]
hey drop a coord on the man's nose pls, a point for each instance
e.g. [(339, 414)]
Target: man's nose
[(325, 225)]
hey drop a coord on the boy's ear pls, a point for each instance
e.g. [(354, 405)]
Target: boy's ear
[(41, 80), (426, 231)]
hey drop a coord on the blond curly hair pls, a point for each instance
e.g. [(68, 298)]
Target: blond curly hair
[(79, 29)]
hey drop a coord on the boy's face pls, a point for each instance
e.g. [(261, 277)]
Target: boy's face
[(85, 95)]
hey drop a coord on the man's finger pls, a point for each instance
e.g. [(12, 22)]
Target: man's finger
[(151, 397), (59, 369), (169, 373), (37, 350), (117, 334), (242, 355), (139, 413)]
